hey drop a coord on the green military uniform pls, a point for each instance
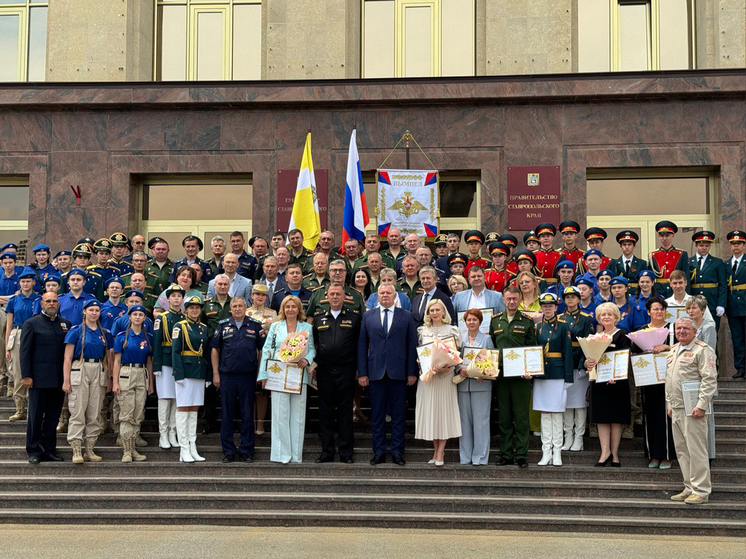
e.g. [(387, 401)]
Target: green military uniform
[(362, 262), (213, 312), (580, 325), (308, 266), (202, 288), (387, 254), (319, 301), (554, 335), (513, 394), (214, 265), (409, 291), (312, 283), (188, 351), (302, 258), (156, 277), (162, 342)]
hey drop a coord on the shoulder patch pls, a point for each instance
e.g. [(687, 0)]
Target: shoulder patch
[(701, 343), (223, 321)]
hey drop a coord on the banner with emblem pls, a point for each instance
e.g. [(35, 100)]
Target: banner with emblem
[(409, 201)]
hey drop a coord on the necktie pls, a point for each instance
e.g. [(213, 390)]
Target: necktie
[(424, 303), (386, 321), (626, 267), (735, 266), (699, 265)]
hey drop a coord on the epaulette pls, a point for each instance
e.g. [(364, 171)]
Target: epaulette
[(223, 320), (700, 342), (583, 313), (561, 318), (308, 275), (248, 317), (94, 273)]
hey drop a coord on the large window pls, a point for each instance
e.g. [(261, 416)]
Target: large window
[(13, 212), (418, 38), (23, 40), (208, 40), (635, 35)]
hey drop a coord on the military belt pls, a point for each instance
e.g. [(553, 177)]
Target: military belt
[(191, 353), (92, 360), (662, 280), (704, 285), (554, 354), (576, 344), (134, 365), (738, 287)]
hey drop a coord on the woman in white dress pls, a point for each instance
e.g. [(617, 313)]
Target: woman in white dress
[(436, 412)]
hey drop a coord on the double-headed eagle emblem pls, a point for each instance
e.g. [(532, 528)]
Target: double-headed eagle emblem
[(407, 205)]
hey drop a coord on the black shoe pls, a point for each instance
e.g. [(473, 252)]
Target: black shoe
[(522, 463), (377, 459), (324, 458), (209, 428), (51, 457), (34, 460), (616, 464), (245, 457), (505, 462), (347, 460), (604, 463), (228, 458), (739, 375), (398, 459)]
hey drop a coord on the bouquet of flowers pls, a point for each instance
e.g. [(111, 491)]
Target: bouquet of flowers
[(593, 348), (648, 338), (534, 315), (484, 365), (443, 355), (294, 347)]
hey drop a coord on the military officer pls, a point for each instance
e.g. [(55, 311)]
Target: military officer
[(216, 309), (489, 238), (319, 277), (547, 257), (119, 245), (474, 240), (627, 265), (217, 247), (531, 241), (335, 336), (298, 253), (691, 360), (569, 230), (158, 271), (294, 284), (708, 275), (409, 283), (137, 242), (594, 238), (441, 245), (452, 244), (319, 301), (247, 264), (667, 258), (192, 245), (735, 267), (497, 277), (139, 261)]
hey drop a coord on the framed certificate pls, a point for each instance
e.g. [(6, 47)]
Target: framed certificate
[(690, 393), (284, 377), (484, 328), (518, 361), (613, 365), (424, 352), (673, 313), (649, 369)]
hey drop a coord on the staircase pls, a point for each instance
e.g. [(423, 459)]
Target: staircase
[(576, 497)]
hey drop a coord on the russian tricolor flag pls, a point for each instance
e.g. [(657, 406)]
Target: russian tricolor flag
[(356, 210)]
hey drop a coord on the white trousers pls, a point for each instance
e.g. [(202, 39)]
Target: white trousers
[(288, 426)]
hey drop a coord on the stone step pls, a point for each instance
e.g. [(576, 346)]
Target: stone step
[(364, 502), (380, 519), (462, 485)]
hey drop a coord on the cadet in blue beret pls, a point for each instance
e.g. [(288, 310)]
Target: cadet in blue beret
[(586, 287), (132, 298), (646, 290), (63, 261), (620, 296), (52, 283), (113, 308), (72, 302), (42, 267), (564, 272), (8, 280), (603, 280), (12, 247)]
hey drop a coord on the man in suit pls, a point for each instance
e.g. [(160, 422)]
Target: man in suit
[(387, 363), (428, 278), (708, 275), (478, 297), (240, 286), (735, 266), (628, 265), (41, 356), (271, 278)]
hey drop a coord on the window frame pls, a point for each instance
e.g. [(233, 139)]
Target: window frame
[(15, 224), (21, 9)]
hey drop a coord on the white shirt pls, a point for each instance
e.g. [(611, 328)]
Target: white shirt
[(736, 261), (335, 314), (704, 259), (478, 301), (391, 316), (427, 297)]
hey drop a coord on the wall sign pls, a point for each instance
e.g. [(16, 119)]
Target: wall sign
[(533, 196), (287, 180)]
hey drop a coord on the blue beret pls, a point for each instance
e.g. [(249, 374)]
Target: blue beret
[(584, 281), (8, 245), (619, 280), (134, 293), (64, 252), (37, 248), (136, 308), (52, 277), (644, 273), (91, 303), (115, 279), (564, 265), (593, 251), (5, 255), (28, 272), (76, 272), (605, 273)]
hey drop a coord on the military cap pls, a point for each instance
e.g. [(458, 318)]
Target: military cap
[(154, 240), (102, 245), (544, 228), (619, 280), (137, 308), (604, 272), (251, 241), (584, 281), (7, 246), (666, 227), (40, 247), (646, 273), (195, 300), (564, 265), (457, 258), (91, 303), (260, 288), (525, 254), (736, 237), (175, 288), (27, 272), (63, 252), (114, 279), (5, 255), (82, 250), (52, 277), (474, 235), (571, 290), (508, 239), (530, 236), (86, 241), (569, 226), (491, 238), (704, 237), (440, 239), (499, 248), (133, 293), (593, 252), (548, 299), (595, 233), (119, 239), (76, 272), (200, 244), (626, 236)]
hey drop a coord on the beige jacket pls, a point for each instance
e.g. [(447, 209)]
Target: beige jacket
[(695, 362)]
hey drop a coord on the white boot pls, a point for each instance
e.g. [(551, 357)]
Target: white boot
[(567, 420), (172, 424), (193, 437), (182, 426), (556, 439), (581, 415), (546, 439), (163, 441)]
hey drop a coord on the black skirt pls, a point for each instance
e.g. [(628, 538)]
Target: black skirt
[(609, 403)]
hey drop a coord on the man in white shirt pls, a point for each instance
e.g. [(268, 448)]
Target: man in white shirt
[(478, 297)]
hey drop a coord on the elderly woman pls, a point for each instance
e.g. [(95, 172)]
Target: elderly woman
[(456, 284), (610, 404), (436, 416), (265, 315), (474, 398), (288, 410), (387, 276)]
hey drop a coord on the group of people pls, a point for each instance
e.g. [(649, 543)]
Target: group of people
[(134, 322)]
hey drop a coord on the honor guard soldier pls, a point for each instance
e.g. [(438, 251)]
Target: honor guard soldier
[(594, 238), (456, 263), (531, 241), (708, 276), (192, 245), (490, 238), (511, 242), (526, 262), (42, 266), (158, 270), (498, 276), (570, 251), (441, 245), (547, 257), (119, 245), (335, 336), (102, 266), (667, 258), (474, 240), (735, 267), (627, 265)]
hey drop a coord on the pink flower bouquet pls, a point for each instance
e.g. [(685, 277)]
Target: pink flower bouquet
[(593, 348), (443, 355), (648, 338), (294, 347)]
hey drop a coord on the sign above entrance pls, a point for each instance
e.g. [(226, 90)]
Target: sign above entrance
[(533, 196), (287, 180)]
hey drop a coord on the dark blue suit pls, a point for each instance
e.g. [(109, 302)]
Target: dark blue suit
[(387, 360), (418, 313)]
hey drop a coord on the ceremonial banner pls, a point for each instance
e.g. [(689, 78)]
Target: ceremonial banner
[(409, 201)]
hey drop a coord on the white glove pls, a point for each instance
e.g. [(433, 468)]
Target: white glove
[(181, 382), (720, 311), (157, 373), (207, 383)]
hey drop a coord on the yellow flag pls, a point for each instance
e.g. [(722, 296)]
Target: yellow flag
[(305, 214)]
